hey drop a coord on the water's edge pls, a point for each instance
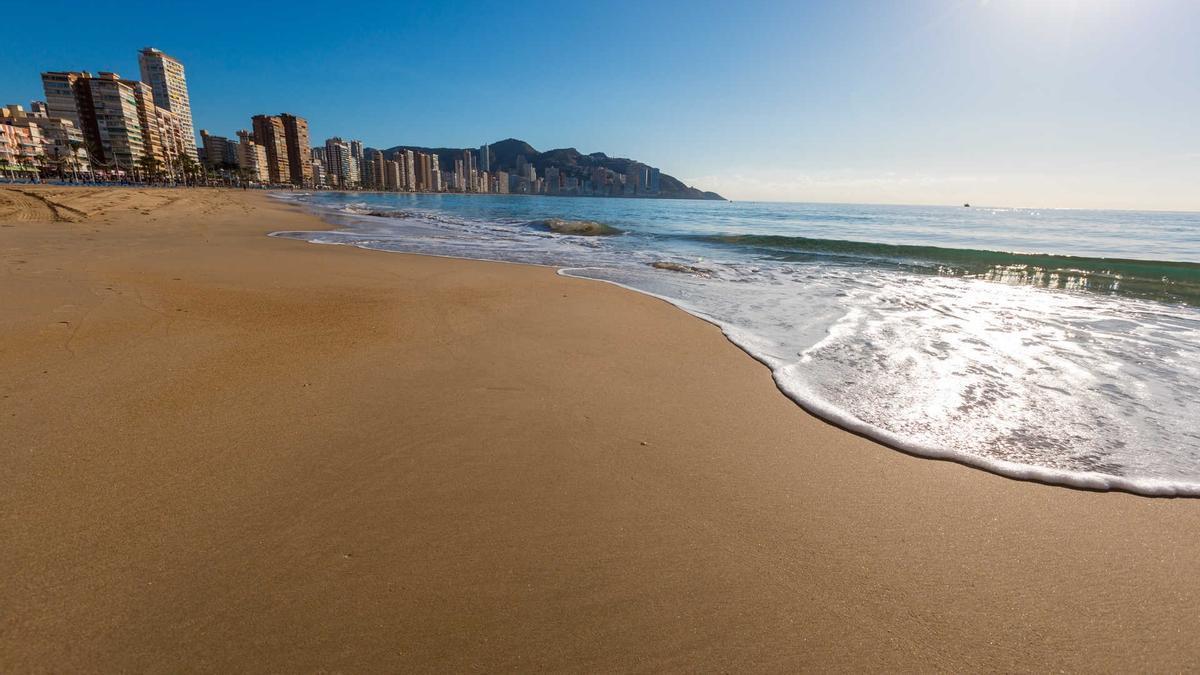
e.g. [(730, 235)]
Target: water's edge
[(813, 405), (1090, 481)]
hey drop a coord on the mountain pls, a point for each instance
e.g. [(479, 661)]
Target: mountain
[(568, 161)]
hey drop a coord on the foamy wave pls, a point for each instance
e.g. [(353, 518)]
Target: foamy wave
[(793, 386), (1081, 389)]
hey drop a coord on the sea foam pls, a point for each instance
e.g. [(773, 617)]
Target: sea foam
[(1060, 384)]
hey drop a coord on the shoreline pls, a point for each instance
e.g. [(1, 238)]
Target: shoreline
[(226, 452), (1074, 480)]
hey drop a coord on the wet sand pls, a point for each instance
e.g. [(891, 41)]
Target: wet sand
[(223, 451)]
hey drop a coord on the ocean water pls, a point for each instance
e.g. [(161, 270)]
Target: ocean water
[(1053, 345)]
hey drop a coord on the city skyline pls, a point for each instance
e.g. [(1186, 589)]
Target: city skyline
[(1006, 102), (105, 127)]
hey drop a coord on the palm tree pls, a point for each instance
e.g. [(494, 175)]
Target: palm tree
[(150, 166), (95, 152), (187, 166), (229, 172), (75, 146)]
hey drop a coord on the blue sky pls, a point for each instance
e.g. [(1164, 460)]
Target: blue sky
[(1071, 103)]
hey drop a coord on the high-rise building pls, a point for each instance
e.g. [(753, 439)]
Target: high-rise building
[(295, 131), (120, 134), (374, 159), (149, 117), (502, 182), (422, 180), (429, 174), (410, 171), (119, 120), (172, 139), (165, 76), (20, 142), (460, 176), (435, 171), (31, 138), (401, 157), (338, 163), (64, 144), (485, 158), (270, 134), (318, 172), (217, 151), (463, 174), (425, 173), (472, 168), (69, 97), (391, 174), (252, 157), (367, 169)]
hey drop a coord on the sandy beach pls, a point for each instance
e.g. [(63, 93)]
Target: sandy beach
[(228, 452)]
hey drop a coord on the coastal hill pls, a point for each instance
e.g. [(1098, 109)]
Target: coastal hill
[(568, 161)]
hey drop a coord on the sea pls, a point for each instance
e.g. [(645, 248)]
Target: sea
[(1061, 346)]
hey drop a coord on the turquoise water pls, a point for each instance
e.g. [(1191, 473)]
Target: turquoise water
[(1061, 346)]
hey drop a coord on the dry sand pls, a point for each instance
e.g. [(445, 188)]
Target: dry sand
[(221, 451)]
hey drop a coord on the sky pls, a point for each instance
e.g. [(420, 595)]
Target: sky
[(1047, 103)]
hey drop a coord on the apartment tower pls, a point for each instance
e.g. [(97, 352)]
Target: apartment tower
[(295, 130), (339, 160), (69, 96), (269, 133), (165, 76), (121, 137), (218, 151)]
